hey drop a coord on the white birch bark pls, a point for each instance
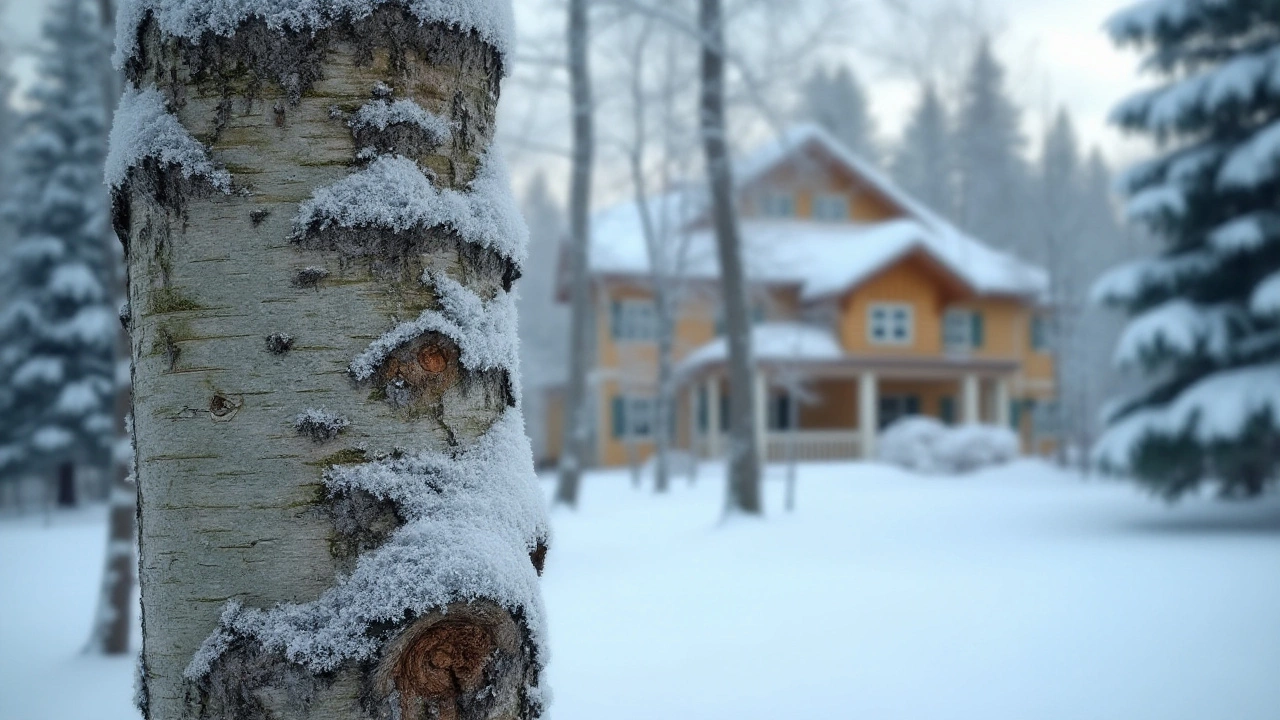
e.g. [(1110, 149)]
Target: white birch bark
[(338, 514)]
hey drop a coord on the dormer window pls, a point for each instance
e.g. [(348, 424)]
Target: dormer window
[(778, 205), (831, 207)]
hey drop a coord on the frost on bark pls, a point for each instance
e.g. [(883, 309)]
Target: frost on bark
[(338, 511)]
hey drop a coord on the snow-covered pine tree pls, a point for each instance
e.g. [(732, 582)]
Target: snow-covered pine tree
[(838, 102), (923, 163), (338, 514), (544, 322), (1205, 328), (58, 331), (993, 187), (1061, 250)]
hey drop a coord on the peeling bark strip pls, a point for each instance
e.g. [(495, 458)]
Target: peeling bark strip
[(353, 528)]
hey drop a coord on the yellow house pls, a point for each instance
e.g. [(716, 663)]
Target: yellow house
[(868, 307)]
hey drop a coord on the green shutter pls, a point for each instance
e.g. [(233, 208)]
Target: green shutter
[(1015, 414), (619, 417), (947, 409), (615, 320), (1037, 333), (703, 414), (976, 334)]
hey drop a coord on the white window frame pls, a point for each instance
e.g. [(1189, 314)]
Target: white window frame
[(637, 321), (824, 205), (886, 315), (771, 203), (957, 330), (639, 416)]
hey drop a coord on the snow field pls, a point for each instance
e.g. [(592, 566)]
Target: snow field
[(1012, 593)]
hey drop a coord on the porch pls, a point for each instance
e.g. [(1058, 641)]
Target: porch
[(835, 409)]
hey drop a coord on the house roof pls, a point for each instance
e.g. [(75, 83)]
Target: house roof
[(771, 341), (823, 258)]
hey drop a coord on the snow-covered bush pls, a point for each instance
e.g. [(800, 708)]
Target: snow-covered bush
[(925, 445)]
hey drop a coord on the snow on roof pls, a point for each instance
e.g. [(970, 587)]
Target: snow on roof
[(772, 341), (824, 258)]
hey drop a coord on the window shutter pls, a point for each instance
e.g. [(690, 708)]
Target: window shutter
[(947, 409), (1015, 414), (976, 334), (615, 320), (619, 417), (703, 410)]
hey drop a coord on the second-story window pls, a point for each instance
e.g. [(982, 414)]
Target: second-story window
[(634, 321), (962, 330), (831, 207), (778, 205), (891, 324)]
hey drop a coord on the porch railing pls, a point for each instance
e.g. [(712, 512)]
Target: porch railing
[(809, 445)]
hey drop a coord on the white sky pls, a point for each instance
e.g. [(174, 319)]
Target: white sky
[(1054, 49)]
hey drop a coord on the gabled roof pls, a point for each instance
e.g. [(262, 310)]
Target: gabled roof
[(823, 258)]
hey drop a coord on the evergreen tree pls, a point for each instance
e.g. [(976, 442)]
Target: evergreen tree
[(923, 163), (1205, 311), (544, 322), (992, 177), (838, 103), (57, 367)]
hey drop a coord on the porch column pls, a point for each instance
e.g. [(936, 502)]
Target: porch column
[(1001, 401), (969, 400), (692, 392), (868, 412), (713, 417), (762, 414)]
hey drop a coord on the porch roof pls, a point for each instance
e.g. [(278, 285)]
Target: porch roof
[(814, 352)]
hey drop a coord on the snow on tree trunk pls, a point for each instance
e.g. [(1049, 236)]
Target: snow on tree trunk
[(338, 511), (577, 417), (744, 450)]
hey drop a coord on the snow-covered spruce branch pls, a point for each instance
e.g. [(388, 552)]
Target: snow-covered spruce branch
[(472, 520), (144, 128), (492, 20), (393, 193), (485, 331)]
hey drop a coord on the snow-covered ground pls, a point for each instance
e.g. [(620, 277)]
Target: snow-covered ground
[(1015, 594)]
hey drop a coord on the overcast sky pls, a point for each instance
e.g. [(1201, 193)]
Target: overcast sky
[(1054, 49)]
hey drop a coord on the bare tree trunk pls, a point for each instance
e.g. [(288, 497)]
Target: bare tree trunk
[(578, 429), (338, 515), (113, 617), (744, 450), (66, 496)]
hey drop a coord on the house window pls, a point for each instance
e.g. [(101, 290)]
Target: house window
[(781, 412), (891, 324), (831, 207), (632, 416), (962, 330), (947, 409), (634, 321), (1039, 334), (896, 407), (778, 205)]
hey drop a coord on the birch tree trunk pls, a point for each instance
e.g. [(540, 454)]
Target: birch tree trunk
[(338, 511), (744, 450), (578, 427)]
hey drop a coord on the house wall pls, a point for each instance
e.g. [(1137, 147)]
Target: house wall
[(811, 175)]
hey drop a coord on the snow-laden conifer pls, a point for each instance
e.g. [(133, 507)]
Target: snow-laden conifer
[(1205, 331)]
